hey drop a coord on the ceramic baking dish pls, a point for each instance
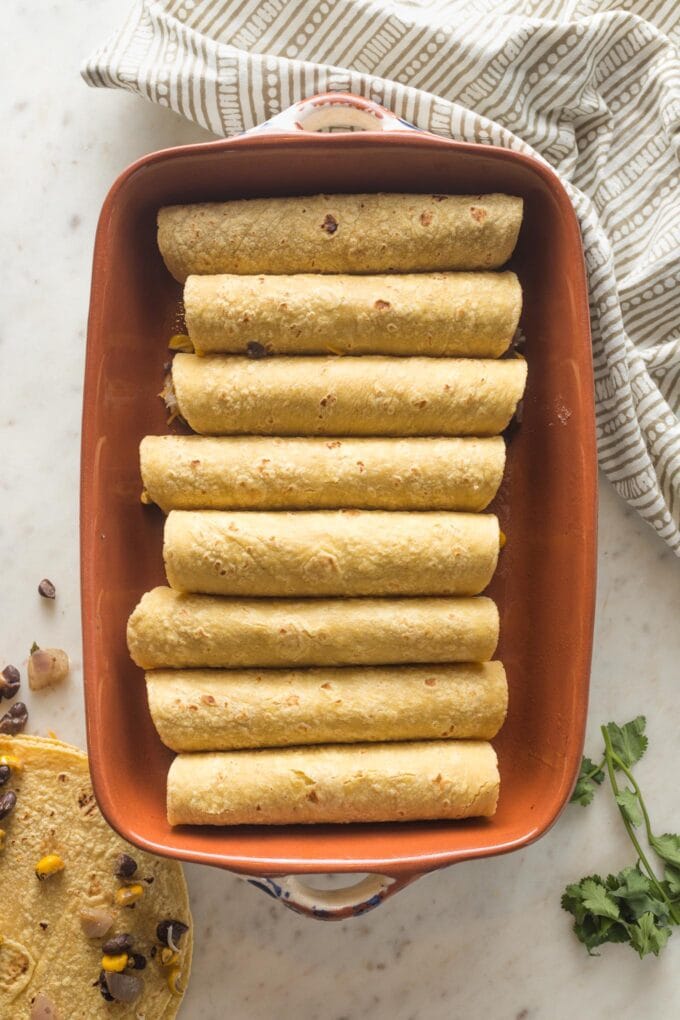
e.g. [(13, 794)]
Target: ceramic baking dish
[(547, 505)]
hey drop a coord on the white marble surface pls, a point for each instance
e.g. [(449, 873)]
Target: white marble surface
[(485, 938)]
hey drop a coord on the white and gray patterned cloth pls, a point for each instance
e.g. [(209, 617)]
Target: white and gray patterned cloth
[(591, 87)]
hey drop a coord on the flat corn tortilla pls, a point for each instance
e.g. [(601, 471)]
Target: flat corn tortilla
[(43, 947), (340, 234)]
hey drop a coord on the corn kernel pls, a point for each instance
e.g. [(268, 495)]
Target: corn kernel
[(168, 957), (116, 963), (181, 342), (49, 865), (174, 981), (128, 894)]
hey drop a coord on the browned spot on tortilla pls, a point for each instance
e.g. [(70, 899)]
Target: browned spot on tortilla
[(431, 682), (426, 218), (312, 796), (207, 699), (334, 445), (477, 213), (440, 198), (330, 224), (382, 305), (326, 686)]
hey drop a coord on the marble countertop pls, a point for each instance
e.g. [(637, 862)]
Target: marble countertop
[(485, 938)]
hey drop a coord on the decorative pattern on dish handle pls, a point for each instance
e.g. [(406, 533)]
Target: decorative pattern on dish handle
[(330, 904), (333, 110)]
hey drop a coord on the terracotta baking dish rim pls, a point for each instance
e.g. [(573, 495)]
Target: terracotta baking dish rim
[(401, 864)]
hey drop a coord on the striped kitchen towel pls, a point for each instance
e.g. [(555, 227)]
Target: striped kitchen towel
[(590, 86)]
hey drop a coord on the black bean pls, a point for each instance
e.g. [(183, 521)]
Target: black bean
[(13, 721), (10, 682), (5, 773), (47, 589), (125, 866), (137, 961), (255, 349), (169, 933), (118, 944), (103, 987), (7, 802)]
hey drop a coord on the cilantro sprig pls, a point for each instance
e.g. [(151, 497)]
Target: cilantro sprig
[(637, 906)]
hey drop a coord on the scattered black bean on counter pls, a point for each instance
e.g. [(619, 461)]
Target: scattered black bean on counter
[(47, 589), (5, 773), (14, 720), (10, 682)]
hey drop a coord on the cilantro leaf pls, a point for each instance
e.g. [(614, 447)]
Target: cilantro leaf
[(628, 742), (672, 876), (667, 847), (636, 895), (590, 895), (630, 807), (589, 774), (647, 936), (596, 915)]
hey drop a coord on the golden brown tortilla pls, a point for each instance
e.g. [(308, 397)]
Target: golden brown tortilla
[(171, 630), (223, 710), (468, 315), (261, 473), (329, 552), (342, 783), (340, 234), (348, 396)]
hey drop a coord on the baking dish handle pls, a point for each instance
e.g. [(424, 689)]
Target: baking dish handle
[(331, 904), (333, 110)]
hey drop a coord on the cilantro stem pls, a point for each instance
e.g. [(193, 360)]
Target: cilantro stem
[(638, 793), (611, 758)]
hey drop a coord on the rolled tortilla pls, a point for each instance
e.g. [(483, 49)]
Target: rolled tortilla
[(355, 783), (171, 630), (224, 710), (340, 234), (253, 473), (471, 315), (329, 552), (348, 396)]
